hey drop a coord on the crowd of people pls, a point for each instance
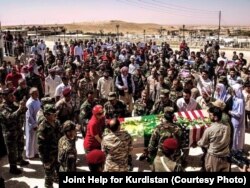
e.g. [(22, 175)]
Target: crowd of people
[(88, 85)]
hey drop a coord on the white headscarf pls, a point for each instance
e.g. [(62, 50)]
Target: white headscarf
[(238, 90), (222, 94)]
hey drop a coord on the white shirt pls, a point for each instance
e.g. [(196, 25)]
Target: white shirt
[(132, 68), (59, 90), (51, 84), (183, 106), (125, 83), (232, 81), (78, 51), (105, 86), (204, 83)]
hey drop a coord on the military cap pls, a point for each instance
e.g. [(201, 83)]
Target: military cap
[(168, 109), (66, 92), (164, 92), (170, 144), (49, 109), (111, 96), (95, 157), (68, 126), (48, 100)]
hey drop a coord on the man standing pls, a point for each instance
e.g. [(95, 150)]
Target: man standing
[(9, 116), (33, 105), (51, 83), (48, 135), (126, 87), (163, 131), (67, 153), (166, 162), (186, 103), (216, 139), (114, 107), (95, 129), (117, 144), (64, 107), (14, 76), (86, 111), (105, 85)]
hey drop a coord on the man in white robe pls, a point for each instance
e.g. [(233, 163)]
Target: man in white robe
[(238, 118), (33, 105)]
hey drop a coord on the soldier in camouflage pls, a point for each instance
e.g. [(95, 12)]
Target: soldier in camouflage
[(85, 85), (114, 107), (163, 131), (139, 83), (67, 153), (166, 162), (40, 115), (65, 107), (163, 102), (49, 133), (117, 144), (142, 106), (86, 111), (13, 133), (176, 90)]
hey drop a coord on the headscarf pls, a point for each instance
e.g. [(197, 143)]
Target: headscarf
[(238, 90), (222, 95)]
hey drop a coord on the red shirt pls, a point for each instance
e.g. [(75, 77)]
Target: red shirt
[(94, 127), (13, 78)]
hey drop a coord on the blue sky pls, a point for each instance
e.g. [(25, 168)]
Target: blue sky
[(170, 12)]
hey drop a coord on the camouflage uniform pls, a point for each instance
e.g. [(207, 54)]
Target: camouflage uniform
[(141, 109), (48, 136), (67, 153), (65, 110), (160, 133), (13, 132), (117, 146), (119, 109), (139, 86), (160, 105), (85, 114), (22, 93), (85, 85), (40, 116), (175, 95)]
